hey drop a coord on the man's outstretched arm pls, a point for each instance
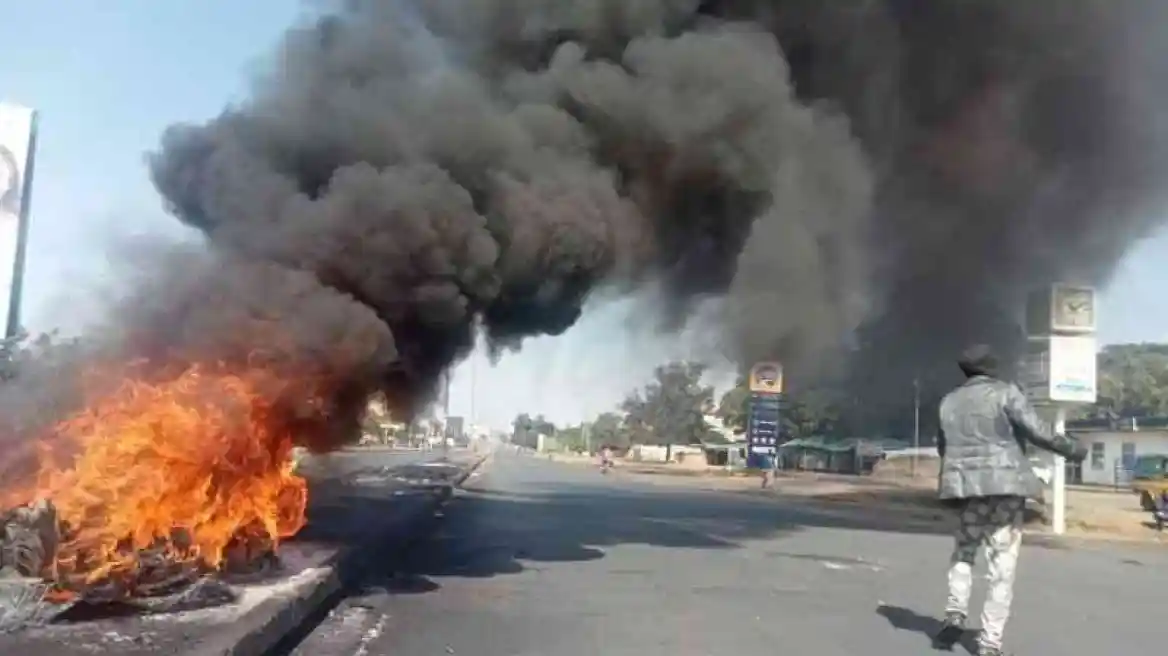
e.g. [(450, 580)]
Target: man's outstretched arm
[(1031, 428)]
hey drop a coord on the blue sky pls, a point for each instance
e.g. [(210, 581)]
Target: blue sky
[(108, 76)]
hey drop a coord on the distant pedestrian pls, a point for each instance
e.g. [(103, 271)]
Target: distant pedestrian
[(767, 463), (987, 427)]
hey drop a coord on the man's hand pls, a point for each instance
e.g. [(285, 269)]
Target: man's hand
[(1027, 425), (1078, 451), (1079, 454)]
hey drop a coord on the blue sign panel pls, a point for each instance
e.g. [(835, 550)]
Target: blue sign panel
[(763, 428)]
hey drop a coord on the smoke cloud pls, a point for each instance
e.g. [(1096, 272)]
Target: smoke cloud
[(1013, 145), (449, 170), (862, 186)]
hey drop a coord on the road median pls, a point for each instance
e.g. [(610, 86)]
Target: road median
[(282, 621)]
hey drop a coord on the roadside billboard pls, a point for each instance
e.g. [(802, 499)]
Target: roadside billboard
[(17, 146)]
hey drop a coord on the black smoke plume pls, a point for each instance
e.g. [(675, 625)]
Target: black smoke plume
[(1013, 145), (862, 185), (454, 167)]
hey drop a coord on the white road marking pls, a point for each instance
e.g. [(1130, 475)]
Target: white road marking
[(373, 633)]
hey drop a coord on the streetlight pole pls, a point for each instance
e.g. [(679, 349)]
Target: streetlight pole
[(474, 381), (446, 417), (916, 423)]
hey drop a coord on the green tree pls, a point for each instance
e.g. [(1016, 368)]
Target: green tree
[(812, 412), (572, 438), (734, 407), (670, 409), (808, 412), (525, 429), (543, 426), (608, 430), (1132, 381)]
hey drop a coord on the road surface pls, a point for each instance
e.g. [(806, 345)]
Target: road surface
[(343, 463), (555, 560)]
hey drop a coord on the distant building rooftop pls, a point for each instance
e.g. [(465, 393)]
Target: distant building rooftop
[(1133, 424)]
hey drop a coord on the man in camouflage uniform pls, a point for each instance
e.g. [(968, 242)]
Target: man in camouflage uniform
[(987, 429)]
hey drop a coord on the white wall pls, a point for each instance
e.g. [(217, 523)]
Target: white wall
[(655, 453), (1145, 442)]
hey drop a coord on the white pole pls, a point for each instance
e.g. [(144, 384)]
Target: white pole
[(474, 383), (1058, 477), (916, 423), (446, 415)]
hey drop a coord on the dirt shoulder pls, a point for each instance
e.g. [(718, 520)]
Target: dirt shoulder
[(1097, 514)]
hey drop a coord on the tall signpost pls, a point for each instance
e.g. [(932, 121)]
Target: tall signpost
[(17, 146), (1059, 367), (763, 428)]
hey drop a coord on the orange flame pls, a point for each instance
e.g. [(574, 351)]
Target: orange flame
[(198, 456)]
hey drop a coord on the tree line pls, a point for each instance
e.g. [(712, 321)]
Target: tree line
[(1132, 381), (671, 408)]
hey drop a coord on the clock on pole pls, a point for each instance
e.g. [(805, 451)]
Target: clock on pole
[(1061, 309), (1059, 367)]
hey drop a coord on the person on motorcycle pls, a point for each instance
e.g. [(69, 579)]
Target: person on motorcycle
[(1160, 513), (606, 457)]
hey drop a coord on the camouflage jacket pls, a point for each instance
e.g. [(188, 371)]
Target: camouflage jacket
[(987, 430)]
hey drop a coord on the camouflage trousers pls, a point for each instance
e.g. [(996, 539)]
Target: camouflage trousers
[(996, 523)]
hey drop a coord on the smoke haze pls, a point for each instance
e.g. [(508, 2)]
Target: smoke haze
[(862, 186)]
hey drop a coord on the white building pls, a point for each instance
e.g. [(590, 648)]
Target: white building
[(1112, 450), (717, 425)]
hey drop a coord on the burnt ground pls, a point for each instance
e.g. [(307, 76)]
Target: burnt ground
[(352, 497)]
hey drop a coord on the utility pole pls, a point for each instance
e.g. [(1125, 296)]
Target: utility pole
[(446, 417), (916, 422)]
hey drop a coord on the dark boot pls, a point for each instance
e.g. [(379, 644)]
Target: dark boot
[(952, 629)]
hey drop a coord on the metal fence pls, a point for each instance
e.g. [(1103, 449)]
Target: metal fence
[(1122, 474)]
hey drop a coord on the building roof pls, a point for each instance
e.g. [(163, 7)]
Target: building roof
[(847, 444), (1119, 424)]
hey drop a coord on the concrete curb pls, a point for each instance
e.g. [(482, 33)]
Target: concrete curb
[(272, 622)]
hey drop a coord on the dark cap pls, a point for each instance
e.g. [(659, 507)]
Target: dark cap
[(978, 360)]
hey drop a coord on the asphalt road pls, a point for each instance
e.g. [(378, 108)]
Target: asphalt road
[(555, 560), (343, 463), (350, 490)]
